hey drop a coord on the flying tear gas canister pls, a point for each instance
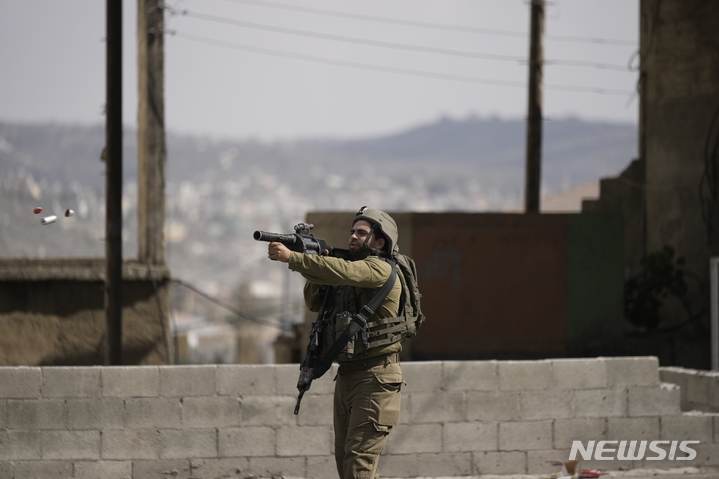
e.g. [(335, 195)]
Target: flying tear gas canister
[(49, 219)]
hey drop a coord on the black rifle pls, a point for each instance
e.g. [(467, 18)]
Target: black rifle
[(302, 241), (311, 358)]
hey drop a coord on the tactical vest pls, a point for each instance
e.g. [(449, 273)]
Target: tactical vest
[(343, 305)]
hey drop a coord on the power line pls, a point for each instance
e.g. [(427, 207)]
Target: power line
[(225, 305), (376, 43), (438, 26), (401, 71)]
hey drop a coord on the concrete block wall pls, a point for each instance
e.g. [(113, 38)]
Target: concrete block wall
[(699, 389), (459, 418)]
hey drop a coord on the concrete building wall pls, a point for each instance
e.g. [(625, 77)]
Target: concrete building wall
[(52, 312), (679, 100), (457, 419)]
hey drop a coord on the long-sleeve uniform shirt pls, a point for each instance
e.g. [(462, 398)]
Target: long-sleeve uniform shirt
[(365, 276)]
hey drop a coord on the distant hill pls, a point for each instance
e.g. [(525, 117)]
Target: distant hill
[(574, 152)]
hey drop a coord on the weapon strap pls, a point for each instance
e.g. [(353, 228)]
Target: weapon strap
[(357, 323)]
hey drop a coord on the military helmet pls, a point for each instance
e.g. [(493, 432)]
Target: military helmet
[(384, 223)]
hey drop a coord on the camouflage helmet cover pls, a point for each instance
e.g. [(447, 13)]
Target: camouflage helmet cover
[(384, 222)]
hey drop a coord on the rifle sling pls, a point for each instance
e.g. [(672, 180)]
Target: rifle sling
[(359, 321)]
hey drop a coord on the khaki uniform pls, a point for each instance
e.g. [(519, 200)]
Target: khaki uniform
[(367, 388)]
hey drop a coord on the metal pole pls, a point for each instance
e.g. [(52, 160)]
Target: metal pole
[(113, 182), (534, 110), (714, 284)]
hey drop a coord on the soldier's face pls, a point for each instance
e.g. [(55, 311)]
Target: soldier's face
[(358, 235)]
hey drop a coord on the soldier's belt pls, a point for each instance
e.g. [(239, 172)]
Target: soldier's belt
[(354, 366)]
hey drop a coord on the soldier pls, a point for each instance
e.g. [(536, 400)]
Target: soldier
[(369, 379)]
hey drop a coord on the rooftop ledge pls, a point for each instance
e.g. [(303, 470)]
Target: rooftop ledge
[(76, 269)]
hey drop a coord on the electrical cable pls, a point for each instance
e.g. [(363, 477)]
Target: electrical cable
[(399, 46), (438, 26), (225, 305), (365, 66)]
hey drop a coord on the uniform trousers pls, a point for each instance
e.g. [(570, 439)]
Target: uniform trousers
[(366, 407)]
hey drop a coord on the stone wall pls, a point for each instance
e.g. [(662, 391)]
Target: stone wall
[(459, 418)]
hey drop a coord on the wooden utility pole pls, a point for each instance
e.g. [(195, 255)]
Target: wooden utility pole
[(151, 149), (113, 182), (533, 180)]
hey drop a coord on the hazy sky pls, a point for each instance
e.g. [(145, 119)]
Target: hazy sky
[(283, 69)]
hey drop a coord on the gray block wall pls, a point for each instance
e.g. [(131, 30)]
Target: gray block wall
[(699, 389), (458, 419)]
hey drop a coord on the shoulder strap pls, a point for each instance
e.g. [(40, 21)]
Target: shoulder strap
[(357, 323)]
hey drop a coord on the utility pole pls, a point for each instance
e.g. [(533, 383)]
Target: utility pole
[(113, 184), (533, 175), (151, 148)]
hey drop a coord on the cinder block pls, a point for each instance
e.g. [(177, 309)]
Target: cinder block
[(71, 382), (632, 372), (415, 438), (130, 381), (546, 405), (579, 374), (396, 465), (247, 380), (304, 441), (20, 445), (707, 455), (225, 468), (277, 467), (525, 436), (130, 444), (632, 428), (269, 410), (204, 412), (103, 469), (579, 429), (70, 444), (714, 392), (470, 376), (525, 375), (654, 401), (447, 464), (600, 403), (697, 388), (247, 441), (492, 462), (543, 462), (437, 407), (325, 467), (95, 413), (44, 469), (470, 436), (493, 406), (182, 381), (314, 410), (36, 414), (6, 469), (674, 375), (188, 443), (422, 376), (689, 427), (20, 382), (141, 413), (3, 413), (163, 468)]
